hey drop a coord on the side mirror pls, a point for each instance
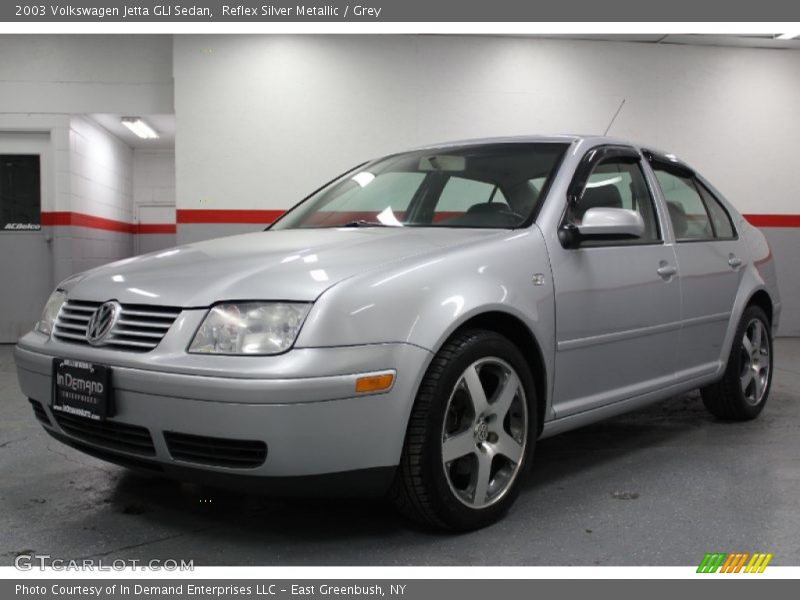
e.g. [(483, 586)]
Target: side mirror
[(603, 224)]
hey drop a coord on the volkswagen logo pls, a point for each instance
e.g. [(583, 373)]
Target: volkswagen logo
[(482, 431), (102, 322)]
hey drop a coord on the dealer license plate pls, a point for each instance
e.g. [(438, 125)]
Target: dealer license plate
[(82, 389)]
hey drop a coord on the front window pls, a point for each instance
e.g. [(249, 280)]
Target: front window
[(490, 186), (618, 183)]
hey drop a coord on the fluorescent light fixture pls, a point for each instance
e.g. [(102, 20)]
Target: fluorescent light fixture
[(139, 128), (787, 36)]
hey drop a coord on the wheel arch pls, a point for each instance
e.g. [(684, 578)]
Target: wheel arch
[(519, 334), (761, 298)]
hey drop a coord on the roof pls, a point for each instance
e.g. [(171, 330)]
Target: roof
[(586, 140), (522, 139)]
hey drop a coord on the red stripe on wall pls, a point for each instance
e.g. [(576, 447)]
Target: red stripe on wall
[(74, 219), (227, 216), (268, 216), (82, 220), (163, 228), (773, 220), (264, 217)]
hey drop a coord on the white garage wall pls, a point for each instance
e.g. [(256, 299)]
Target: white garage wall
[(263, 119), (154, 199), (46, 84), (86, 74), (154, 177), (96, 192)]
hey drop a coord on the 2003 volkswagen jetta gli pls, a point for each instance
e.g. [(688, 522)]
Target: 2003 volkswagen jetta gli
[(416, 325)]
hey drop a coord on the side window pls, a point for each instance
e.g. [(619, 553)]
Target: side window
[(460, 194), (720, 219), (688, 214), (616, 183), (695, 212)]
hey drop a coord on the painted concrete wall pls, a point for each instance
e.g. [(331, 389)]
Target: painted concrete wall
[(46, 84), (154, 199), (73, 74), (87, 172), (101, 185), (263, 120)]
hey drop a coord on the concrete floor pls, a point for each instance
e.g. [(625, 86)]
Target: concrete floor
[(661, 486)]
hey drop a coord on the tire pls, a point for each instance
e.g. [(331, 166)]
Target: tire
[(476, 404), (744, 388)]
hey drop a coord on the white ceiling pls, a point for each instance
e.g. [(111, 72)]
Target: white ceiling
[(163, 124), (738, 40)]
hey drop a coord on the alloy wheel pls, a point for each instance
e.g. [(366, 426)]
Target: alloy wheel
[(755, 362), (485, 432)]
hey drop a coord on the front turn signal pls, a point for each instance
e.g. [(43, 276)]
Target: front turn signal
[(374, 383)]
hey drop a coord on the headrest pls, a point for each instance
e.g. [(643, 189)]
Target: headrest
[(487, 207), (677, 215), (604, 196)]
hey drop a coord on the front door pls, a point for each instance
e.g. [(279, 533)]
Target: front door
[(617, 301)]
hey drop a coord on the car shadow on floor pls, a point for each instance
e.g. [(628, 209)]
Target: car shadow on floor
[(199, 507), (589, 447)]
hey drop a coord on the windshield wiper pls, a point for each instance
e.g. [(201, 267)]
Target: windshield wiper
[(365, 223)]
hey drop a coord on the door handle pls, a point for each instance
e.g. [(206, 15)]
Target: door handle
[(734, 262), (666, 270)]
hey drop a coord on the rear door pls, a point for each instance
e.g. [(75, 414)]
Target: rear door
[(617, 302), (710, 260)]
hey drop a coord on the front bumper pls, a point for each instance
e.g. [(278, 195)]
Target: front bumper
[(313, 426)]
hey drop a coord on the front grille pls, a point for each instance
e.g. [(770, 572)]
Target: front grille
[(39, 412), (140, 327), (109, 434), (216, 452)]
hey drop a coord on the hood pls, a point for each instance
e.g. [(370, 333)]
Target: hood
[(292, 264)]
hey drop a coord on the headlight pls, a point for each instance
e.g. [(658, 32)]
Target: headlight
[(50, 312), (250, 328)]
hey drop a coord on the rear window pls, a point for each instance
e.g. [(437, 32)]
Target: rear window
[(695, 212)]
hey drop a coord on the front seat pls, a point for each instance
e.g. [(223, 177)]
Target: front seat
[(604, 196)]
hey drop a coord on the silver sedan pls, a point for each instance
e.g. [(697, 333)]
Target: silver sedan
[(415, 326)]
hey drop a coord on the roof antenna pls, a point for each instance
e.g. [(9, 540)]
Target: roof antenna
[(614, 118)]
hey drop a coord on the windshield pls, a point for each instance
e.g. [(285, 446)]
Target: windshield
[(489, 186)]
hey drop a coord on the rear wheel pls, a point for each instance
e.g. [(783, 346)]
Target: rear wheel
[(470, 436), (744, 388)]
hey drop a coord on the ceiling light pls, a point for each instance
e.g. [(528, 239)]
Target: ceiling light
[(139, 128), (787, 36)]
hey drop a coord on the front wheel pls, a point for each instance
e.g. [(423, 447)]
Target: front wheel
[(744, 388), (470, 436)]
